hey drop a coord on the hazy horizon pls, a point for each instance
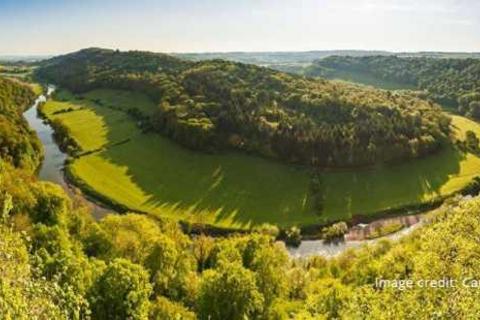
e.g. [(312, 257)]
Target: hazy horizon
[(40, 55), (51, 27)]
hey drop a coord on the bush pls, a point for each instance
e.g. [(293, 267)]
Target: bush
[(293, 237), (335, 231), (268, 229), (385, 230)]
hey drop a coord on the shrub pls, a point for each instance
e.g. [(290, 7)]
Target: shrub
[(335, 231), (293, 237), (268, 229)]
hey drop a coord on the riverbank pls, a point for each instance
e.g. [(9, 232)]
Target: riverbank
[(53, 164), (309, 248)]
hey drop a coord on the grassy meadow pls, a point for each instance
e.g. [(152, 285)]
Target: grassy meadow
[(369, 80), (150, 173)]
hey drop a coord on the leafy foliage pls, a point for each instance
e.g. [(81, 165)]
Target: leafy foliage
[(18, 145), (335, 231), (121, 292), (229, 293)]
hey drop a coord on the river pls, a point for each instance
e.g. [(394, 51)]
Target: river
[(321, 248), (52, 169)]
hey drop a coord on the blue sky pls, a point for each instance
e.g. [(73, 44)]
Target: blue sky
[(59, 26)]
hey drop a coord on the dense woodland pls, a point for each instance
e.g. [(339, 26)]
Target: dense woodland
[(450, 82), (215, 105), (17, 143), (56, 262)]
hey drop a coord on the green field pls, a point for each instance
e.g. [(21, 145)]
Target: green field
[(367, 79), (150, 173)]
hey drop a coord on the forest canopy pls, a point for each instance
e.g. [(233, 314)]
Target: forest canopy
[(450, 82), (18, 145), (216, 105)]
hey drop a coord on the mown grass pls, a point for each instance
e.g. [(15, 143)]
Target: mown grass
[(371, 190), (124, 100), (89, 122), (150, 173)]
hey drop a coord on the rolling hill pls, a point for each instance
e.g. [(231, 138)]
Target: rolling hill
[(218, 105)]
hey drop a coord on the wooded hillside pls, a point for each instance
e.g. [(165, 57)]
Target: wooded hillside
[(450, 82), (18, 144), (215, 105)]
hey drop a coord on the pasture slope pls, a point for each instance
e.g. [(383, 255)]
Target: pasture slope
[(150, 173)]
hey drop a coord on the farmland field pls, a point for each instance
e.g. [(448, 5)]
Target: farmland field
[(150, 173)]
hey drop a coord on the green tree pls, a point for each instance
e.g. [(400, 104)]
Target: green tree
[(328, 298), (202, 250), (129, 236), (164, 309), (229, 292), (171, 268), (121, 292), (270, 264), (52, 205)]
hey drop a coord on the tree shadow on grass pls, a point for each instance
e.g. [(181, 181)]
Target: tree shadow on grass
[(231, 189), (369, 191), (245, 190)]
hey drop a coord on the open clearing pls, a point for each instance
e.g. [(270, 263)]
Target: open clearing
[(369, 80), (150, 173)]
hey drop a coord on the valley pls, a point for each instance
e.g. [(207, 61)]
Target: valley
[(146, 172), (240, 160)]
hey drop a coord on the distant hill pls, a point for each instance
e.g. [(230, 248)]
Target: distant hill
[(279, 57), (275, 57), (215, 105), (23, 58), (295, 62), (451, 82)]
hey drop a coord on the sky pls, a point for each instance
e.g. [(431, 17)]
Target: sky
[(59, 26)]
